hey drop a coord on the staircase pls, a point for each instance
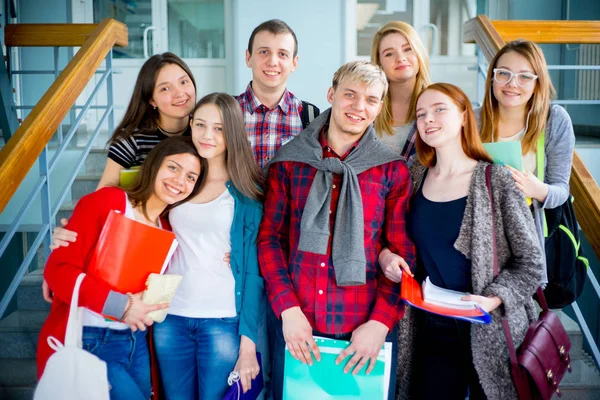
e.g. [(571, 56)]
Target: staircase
[(19, 330)]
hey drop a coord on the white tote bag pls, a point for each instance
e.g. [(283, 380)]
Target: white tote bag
[(73, 373)]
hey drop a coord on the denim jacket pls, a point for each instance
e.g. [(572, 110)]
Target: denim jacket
[(249, 284)]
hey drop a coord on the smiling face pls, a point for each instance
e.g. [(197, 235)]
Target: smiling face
[(176, 177), (397, 57), (439, 120), (354, 106), (174, 94), (510, 94), (208, 133), (272, 60)]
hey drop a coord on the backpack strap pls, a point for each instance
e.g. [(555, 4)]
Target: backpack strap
[(309, 113), (539, 156)]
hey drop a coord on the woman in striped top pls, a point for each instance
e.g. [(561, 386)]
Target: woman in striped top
[(162, 101)]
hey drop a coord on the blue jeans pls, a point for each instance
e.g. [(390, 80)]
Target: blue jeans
[(127, 360), (275, 328), (196, 355)]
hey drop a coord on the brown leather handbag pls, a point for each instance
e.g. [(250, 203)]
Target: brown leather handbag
[(542, 360)]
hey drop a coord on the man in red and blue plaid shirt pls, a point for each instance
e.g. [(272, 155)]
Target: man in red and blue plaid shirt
[(272, 114), (324, 279)]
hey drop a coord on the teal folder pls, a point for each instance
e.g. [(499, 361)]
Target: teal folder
[(509, 153), (324, 380)]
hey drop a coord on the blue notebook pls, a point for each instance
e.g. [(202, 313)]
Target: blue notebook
[(508, 153)]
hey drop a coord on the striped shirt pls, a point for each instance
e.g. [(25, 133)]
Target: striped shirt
[(131, 151), (269, 129)]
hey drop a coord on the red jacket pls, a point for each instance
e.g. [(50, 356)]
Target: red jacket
[(66, 263)]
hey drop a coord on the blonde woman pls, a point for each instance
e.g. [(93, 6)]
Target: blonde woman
[(398, 50), (517, 107)]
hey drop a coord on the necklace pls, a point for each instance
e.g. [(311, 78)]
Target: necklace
[(167, 133)]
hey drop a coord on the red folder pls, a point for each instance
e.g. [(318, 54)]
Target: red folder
[(412, 293), (128, 251)]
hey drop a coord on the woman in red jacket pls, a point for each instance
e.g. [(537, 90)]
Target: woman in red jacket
[(172, 173)]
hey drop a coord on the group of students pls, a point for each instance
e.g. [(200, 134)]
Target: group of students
[(391, 178)]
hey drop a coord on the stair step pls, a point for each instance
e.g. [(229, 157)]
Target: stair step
[(29, 293), (96, 161), (18, 372), (19, 333), (16, 393), (84, 184), (575, 335)]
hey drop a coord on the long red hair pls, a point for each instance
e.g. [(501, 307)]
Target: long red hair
[(469, 136)]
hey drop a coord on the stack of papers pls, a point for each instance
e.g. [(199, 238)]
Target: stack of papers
[(447, 305)]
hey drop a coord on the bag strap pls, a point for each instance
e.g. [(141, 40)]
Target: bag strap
[(74, 324), (309, 112), (539, 158), (522, 384)]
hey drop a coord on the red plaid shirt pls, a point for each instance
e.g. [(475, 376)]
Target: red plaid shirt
[(269, 129), (297, 278)]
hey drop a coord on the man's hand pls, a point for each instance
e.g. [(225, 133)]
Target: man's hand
[(297, 333), (392, 265), (366, 343), (61, 236)]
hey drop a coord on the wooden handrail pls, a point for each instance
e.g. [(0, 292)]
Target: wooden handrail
[(549, 32), (490, 36), (25, 146), (45, 35)]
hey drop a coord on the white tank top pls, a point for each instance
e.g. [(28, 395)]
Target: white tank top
[(203, 232)]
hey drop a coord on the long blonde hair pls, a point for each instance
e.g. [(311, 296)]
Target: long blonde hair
[(537, 107), (384, 123)]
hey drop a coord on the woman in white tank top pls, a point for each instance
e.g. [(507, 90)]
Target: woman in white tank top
[(212, 325)]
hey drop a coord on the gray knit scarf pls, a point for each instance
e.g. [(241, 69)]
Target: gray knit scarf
[(348, 247)]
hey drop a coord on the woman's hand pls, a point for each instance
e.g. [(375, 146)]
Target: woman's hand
[(46, 292), (137, 316), (529, 184), (488, 304), (227, 258), (61, 237), (247, 363), (393, 265)]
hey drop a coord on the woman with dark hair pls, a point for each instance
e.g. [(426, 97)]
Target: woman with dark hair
[(212, 325), (516, 107), (451, 221), (163, 99), (172, 173), (160, 107)]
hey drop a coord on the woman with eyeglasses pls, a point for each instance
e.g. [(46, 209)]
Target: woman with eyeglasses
[(516, 107)]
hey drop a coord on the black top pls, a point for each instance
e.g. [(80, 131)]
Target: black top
[(434, 227)]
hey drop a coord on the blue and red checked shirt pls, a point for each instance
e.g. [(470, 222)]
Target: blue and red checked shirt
[(269, 129), (297, 278)]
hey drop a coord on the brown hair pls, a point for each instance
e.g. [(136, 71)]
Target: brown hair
[(140, 115), (538, 105), (276, 27), (143, 189), (469, 137), (239, 160), (385, 120)]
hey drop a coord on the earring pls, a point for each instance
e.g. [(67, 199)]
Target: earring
[(155, 107)]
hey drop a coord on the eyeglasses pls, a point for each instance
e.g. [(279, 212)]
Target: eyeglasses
[(523, 79)]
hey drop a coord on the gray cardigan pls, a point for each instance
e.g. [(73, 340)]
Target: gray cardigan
[(558, 159), (520, 262)]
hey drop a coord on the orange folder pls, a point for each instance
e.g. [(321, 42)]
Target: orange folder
[(412, 293), (128, 251)]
